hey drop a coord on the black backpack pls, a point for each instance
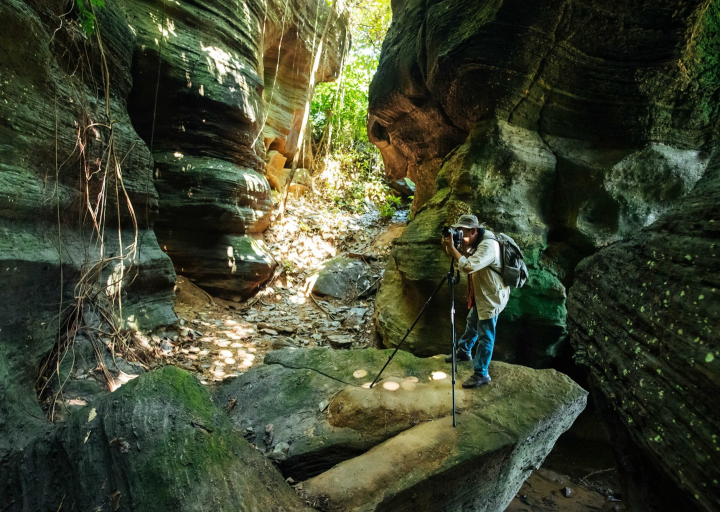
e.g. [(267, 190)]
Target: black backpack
[(514, 271)]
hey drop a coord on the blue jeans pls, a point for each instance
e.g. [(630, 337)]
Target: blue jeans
[(481, 332)]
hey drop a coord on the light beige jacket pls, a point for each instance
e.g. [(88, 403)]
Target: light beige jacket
[(491, 294)]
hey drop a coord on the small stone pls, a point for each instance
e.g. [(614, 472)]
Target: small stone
[(270, 332), (280, 452), (567, 492)]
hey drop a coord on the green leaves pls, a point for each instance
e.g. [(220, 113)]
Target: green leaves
[(353, 175), (86, 14), (344, 103)]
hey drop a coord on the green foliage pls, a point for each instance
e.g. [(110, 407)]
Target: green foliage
[(343, 103), (391, 205), (353, 179), (353, 169), (288, 266), (86, 15)]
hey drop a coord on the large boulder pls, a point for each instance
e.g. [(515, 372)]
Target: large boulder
[(594, 71), (534, 117), (215, 86), (644, 317), (341, 278), (393, 446), (157, 443)]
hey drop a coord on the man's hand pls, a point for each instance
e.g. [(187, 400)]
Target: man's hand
[(447, 243)]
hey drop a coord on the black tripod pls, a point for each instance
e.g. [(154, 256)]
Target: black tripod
[(452, 279)]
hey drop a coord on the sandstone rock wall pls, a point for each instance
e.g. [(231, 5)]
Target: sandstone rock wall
[(54, 170), (644, 319), (231, 79), (76, 180), (566, 124), (581, 124)]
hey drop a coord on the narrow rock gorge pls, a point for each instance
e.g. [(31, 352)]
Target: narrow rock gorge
[(579, 128), (146, 140), (228, 82)]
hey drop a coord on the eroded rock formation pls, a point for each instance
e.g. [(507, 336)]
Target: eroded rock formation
[(393, 447), (60, 165), (573, 125), (645, 321), (226, 82), (566, 124), (78, 208), (158, 443)]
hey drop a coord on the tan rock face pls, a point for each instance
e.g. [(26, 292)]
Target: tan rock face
[(230, 85), (275, 171), (292, 33), (393, 447)]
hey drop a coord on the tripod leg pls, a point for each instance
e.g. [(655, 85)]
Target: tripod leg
[(454, 343), (411, 327)]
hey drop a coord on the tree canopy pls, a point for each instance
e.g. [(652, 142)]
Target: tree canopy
[(352, 166)]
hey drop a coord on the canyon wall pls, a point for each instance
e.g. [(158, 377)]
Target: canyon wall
[(83, 154), (571, 126), (224, 83), (65, 183), (566, 124), (643, 317)]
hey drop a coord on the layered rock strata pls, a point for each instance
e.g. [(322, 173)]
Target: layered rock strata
[(71, 167), (567, 125), (644, 318), (393, 447), (214, 86)]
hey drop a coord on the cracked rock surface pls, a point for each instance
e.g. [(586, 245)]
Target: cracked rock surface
[(393, 445)]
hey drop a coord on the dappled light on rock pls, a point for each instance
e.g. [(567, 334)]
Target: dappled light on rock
[(378, 443)]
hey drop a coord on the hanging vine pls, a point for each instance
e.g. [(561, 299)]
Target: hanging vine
[(95, 311)]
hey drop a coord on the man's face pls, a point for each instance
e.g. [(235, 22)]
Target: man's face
[(469, 236)]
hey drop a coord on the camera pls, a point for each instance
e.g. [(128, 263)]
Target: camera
[(457, 235)]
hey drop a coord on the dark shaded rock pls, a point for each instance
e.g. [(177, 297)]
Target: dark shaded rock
[(231, 267), (157, 443), (404, 186), (340, 340), (51, 91), (220, 105), (644, 320), (341, 278)]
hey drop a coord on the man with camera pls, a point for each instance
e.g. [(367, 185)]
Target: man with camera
[(477, 253)]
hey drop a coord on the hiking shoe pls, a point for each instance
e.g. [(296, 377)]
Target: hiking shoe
[(476, 381), (459, 356)]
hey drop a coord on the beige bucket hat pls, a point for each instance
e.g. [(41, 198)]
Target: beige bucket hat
[(468, 222)]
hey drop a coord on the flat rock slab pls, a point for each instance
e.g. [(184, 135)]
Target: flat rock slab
[(362, 448)]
